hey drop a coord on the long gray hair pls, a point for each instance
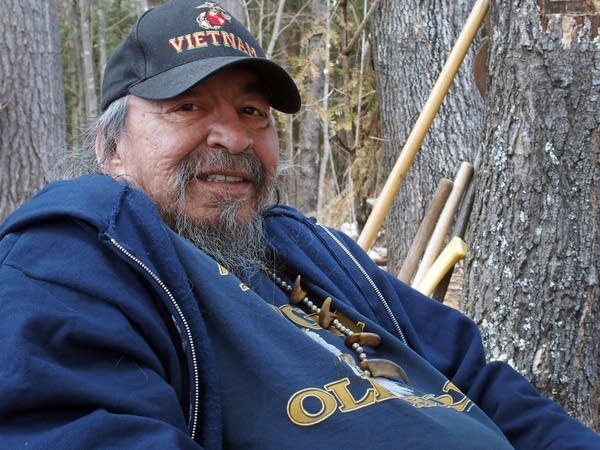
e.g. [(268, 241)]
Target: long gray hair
[(104, 133)]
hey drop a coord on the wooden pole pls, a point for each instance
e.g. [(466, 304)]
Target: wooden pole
[(442, 227), (417, 134), (419, 243), (459, 229)]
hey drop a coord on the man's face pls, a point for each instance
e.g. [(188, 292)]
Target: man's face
[(213, 146)]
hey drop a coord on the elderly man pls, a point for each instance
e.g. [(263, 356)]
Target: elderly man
[(163, 305)]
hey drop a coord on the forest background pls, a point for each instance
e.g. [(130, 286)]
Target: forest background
[(524, 110)]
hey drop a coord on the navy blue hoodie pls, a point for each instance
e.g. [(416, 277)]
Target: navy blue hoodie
[(117, 333)]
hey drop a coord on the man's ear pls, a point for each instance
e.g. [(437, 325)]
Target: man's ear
[(107, 155)]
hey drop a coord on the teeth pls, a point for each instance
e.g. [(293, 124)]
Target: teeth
[(224, 179)]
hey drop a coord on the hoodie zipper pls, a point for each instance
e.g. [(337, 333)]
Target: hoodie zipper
[(378, 293), (194, 410)]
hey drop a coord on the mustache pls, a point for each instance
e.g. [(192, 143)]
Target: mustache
[(216, 160)]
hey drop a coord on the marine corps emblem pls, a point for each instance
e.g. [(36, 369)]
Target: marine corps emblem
[(213, 18)]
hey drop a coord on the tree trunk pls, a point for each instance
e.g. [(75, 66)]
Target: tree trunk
[(237, 8), (31, 95), (412, 40), (141, 6), (102, 56), (71, 49), (309, 147), (533, 272), (90, 98), (326, 156)]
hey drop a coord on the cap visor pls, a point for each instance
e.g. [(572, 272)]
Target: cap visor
[(284, 95)]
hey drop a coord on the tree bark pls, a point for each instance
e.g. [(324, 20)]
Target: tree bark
[(309, 140), (141, 6), (412, 40), (71, 49), (90, 97), (32, 113), (237, 8), (102, 55), (326, 156), (533, 272)]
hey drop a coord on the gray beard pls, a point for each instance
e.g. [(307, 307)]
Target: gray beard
[(238, 246)]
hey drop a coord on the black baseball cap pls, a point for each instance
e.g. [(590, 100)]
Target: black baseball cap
[(176, 45)]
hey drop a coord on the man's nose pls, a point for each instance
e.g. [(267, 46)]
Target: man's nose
[(228, 131)]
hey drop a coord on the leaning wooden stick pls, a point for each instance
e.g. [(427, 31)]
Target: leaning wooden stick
[(459, 229), (419, 243), (452, 253), (438, 237), (419, 130)]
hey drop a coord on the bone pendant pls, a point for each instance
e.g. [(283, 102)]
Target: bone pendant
[(297, 294), (326, 316), (371, 339), (384, 368)]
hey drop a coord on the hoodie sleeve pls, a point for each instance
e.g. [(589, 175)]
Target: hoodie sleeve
[(84, 363), (452, 343)]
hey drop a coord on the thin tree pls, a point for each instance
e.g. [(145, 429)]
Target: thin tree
[(326, 153), (355, 135), (101, 45), (309, 150), (88, 76)]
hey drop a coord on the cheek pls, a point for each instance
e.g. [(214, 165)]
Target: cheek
[(269, 152), (144, 165)]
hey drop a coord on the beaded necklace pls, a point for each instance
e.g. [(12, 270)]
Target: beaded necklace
[(354, 340)]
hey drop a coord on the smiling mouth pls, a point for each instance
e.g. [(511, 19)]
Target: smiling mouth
[(216, 178)]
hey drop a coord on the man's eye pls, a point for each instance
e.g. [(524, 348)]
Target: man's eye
[(251, 110), (188, 107)]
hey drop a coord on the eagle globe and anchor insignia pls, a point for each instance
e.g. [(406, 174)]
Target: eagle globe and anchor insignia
[(213, 18), (212, 21)]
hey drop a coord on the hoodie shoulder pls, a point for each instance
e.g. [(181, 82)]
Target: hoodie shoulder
[(94, 199)]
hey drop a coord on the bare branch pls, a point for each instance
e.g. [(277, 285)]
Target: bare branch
[(275, 34), (346, 50)]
